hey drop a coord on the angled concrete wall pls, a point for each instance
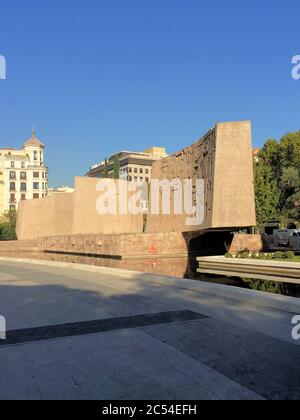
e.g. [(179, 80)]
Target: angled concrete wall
[(223, 158)]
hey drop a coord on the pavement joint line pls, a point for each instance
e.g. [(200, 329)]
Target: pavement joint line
[(29, 335)]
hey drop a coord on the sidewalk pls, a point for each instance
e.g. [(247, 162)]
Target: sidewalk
[(152, 348)]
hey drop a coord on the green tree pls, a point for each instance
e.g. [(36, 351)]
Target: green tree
[(267, 194), (116, 168), (105, 169), (277, 175), (8, 226)]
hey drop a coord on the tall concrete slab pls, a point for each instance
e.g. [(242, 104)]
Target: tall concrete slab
[(86, 218), (233, 203), (223, 159), (72, 214), (50, 216)]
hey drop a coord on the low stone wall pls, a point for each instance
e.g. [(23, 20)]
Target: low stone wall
[(157, 253), (19, 246), (246, 243), (155, 244)]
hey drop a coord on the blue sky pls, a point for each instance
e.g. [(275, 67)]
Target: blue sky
[(97, 76)]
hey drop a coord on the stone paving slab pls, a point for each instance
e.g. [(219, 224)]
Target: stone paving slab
[(234, 351), (243, 356), (90, 327), (131, 372)]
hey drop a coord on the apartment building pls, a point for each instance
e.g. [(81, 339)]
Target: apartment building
[(134, 166), (23, 174)]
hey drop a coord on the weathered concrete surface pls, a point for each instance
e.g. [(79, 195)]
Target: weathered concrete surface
[(241, 351), (72, 214), (276, 271), (86, 219), (223, 158), (48, 216)]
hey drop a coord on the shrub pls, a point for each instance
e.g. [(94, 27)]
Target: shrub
[(278, 255), (289, 255), (228, 255), (8, 226), (245, 255)]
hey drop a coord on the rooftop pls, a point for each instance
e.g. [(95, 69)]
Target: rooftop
[(33, 141)]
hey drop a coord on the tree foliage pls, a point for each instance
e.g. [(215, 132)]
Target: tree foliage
[(116, 168), (8, 226), (277, 179), (106, 175)]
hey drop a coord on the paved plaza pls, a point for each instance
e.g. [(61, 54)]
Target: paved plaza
[(105, 334)]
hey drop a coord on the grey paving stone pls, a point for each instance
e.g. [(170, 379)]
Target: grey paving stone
[(192, 393), (239, 355), (254, 380), (209, 356), (149, 393), (125, 376), (61, 388), (38, 354), (104, 390), (170, 377), (23, 388)]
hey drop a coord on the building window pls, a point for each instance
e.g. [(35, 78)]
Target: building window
[(147, 179), (141, 179), (12, 208), (146, 171), (12, 186), (35, 156), (23, 186), (141, 170), (23, 197), (130, 170), (135, 170), (135, 179), (23, 165), (12, 164), (12, 175), (36, 196), (23, 175), (12, 198), (36, 174), (36, 185), (43, 174)]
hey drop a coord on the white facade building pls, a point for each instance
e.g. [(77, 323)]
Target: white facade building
[(23, 174)]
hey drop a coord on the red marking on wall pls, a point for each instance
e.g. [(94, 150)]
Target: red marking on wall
[(153, 250)]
